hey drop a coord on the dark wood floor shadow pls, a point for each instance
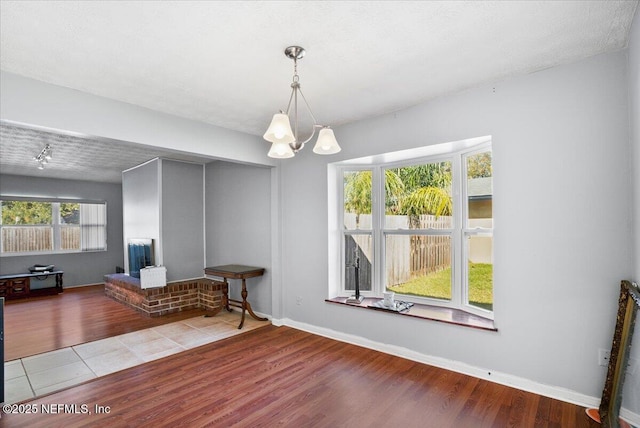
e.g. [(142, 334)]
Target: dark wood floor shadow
[(279, 376), (79, 315)]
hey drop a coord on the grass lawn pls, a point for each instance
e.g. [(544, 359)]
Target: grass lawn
[(438, 285)]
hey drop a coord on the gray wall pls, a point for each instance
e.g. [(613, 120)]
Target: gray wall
[(182, 219), (632, 383), (30, 101), (163, 200), (141, 206), (79, 268), (238, 224), (562, 223), (634, 114)]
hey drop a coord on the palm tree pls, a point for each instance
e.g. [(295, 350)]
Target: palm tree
[(357, 192), (427, 175), (411, 191), (427, 200), (427, 191)]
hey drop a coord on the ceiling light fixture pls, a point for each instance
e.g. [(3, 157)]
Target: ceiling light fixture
[(44, 157), (285, 141)]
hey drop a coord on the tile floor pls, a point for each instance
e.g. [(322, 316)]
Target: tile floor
[(40, 374)]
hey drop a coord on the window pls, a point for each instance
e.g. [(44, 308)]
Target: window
[(421, 227), (358, 232), (39, 226)]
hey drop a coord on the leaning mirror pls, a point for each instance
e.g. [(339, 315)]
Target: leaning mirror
[(612, 395)]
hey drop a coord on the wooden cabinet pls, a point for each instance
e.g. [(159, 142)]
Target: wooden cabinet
[(5, 287), (19, 285), (14, 288)]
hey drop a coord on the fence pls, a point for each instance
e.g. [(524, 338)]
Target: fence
[(407, 256), (28, 239), (411, 256)]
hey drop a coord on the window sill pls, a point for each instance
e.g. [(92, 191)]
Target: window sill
[(51, 253), (427, 312)]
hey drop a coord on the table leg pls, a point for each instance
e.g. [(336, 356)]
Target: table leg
[(244, 301), (246, 304), (225, 295), (59, 282)]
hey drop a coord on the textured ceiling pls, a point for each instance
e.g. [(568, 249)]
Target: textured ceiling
[(74, 157), (222, 62)]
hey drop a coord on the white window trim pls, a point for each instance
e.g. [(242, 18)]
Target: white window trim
[(55, 225), (456, 153)]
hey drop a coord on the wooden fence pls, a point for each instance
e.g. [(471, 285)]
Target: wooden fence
[(429, 254), (408, 256), (31, 239), (412, 256)]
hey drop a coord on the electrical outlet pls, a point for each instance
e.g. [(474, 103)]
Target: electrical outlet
[(603, 357), (298, 300)]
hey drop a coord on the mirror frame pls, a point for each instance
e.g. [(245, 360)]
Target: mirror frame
[(620, 349)]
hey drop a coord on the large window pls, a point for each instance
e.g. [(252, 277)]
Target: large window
[(37, 226), (421, 227)]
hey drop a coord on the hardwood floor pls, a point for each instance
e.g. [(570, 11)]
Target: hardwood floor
[(272, 376), (279, 376), (79, 315)]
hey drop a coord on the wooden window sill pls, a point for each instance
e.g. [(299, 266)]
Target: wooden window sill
[(434, 313)]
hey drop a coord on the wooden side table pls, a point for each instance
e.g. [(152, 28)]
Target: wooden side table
[(236, 272)]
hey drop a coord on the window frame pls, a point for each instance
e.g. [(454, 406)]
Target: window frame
[(56, 226), (379, 233), (350, 232), (476, 231), (451, 232)]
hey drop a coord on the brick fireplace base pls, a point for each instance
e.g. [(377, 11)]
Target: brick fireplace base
[(174, 297)]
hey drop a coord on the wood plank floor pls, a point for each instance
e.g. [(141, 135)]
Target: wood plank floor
[(272, 376), (279, 376), (79, 315)]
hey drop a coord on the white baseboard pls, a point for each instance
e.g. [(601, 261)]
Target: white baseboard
[(260, 314), (521, 383), (629, 416), (65, 287)]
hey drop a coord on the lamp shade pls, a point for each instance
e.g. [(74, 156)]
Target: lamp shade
[(280, 151), (280, 130), (326, 144)]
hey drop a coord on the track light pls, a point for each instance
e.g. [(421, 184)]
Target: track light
[(45, 155)]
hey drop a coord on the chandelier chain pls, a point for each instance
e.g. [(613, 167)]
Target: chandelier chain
[(295, 70)]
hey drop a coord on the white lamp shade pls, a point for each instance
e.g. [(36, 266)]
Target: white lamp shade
[(326, 144), (280, 151), (280, 130)]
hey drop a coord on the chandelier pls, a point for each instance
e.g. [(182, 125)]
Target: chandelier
[(285, 142), (44, 157)]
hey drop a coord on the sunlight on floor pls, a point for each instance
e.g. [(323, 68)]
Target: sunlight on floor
[(41, 374)]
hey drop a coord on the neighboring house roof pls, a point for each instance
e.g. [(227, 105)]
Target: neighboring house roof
[(480, 188)]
